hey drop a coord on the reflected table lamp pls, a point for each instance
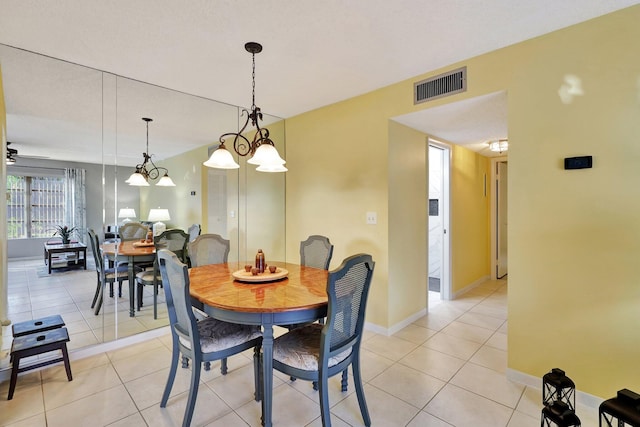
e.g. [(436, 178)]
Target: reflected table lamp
[(157, 216), (127, 214)]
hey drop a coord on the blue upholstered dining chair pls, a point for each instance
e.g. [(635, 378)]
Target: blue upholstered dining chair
[(316, 352), (109, 275), (174, 240), (208, 249), (132, 231), (316, 252), (204, 341)]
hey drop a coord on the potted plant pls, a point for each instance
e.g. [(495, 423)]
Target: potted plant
[(64, 232)]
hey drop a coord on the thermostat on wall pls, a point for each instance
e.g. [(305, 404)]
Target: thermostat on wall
[(582, 162)]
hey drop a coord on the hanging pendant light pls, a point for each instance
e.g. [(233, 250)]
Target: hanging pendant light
[(261, 147), (142, 175), (499, 146)]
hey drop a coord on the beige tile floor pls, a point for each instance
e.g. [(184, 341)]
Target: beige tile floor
[(445, 369), (32, 293)]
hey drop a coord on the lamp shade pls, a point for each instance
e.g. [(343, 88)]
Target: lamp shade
[(166, 181), (136, 179), (221, 159), (266, 154), (271, 168), (127, 213), (159, 215)]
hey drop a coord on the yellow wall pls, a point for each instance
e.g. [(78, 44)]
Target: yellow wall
[(574, 294), (470, 244), (408, 224), (573, 235)]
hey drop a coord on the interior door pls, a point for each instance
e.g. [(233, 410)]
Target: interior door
[(501, 219), (438, 222)]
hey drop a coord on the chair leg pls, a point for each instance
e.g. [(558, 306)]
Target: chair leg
[(172, 373), (155, 301), (345, 380), (139, 295), (185, 362), (120, 288), (95, 296), (193, 391), (111, 289), (223, 366), (207, 366), (99, 301), (357, 379), (324, 397)]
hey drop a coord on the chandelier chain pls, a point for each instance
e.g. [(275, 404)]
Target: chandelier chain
[(253, 79)]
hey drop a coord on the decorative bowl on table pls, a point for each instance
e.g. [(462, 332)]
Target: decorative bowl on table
[(267, 276)]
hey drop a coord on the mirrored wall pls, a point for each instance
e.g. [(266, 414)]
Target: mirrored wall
[(62, 115)]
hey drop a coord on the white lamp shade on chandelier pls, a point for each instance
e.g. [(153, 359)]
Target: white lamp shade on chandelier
[(137, 180), (221, 159), (157, 216)]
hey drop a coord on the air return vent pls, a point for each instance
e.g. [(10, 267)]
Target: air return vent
[(445, 84)]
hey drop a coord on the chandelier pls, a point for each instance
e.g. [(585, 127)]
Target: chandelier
[(11, 155), (148, 170), (499, 146), (261, 148)]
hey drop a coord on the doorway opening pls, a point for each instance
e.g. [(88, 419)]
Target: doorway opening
[(499, 213), (438, 223)]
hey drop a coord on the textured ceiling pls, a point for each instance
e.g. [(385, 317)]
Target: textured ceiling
[(315, 52)]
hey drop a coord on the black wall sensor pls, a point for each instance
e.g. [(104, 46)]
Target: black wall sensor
[(582, 162)]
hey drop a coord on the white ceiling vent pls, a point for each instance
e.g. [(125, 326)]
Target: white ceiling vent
[(445, 84)]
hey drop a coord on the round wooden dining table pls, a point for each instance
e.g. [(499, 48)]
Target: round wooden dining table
[(298, 298), (131, 252)]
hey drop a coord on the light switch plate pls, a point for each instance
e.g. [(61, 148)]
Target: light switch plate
[(372, 218)]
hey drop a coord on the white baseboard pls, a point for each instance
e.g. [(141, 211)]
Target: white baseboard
[(395, 328), (582, 398), (470, 286)]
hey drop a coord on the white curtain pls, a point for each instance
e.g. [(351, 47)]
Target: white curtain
[(75, 202)]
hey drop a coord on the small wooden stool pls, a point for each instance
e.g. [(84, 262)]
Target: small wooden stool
[(37, 325), (38, 343)]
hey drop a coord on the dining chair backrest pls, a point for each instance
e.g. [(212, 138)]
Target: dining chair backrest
[(316, 252), (174, 240), (95, 249), (175, 278), (193, 231), (347, 288), (209, 249), (133, 231)]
